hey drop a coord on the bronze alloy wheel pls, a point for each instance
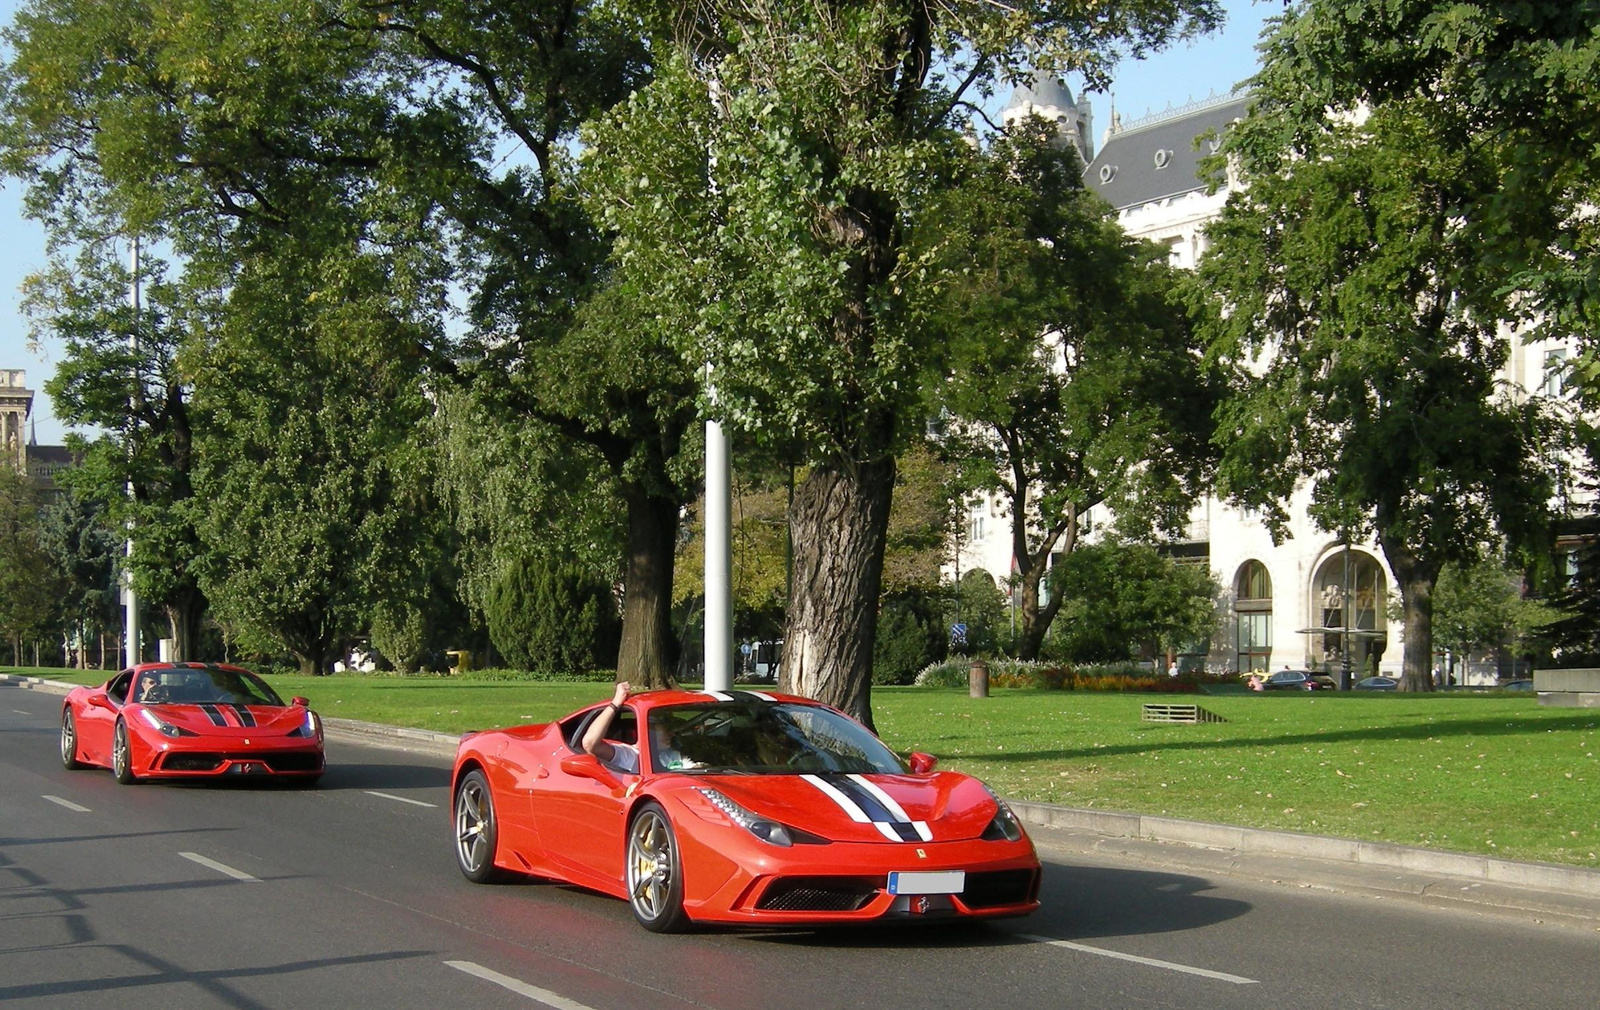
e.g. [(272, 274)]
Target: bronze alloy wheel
[(476, 829), (69, 741), (121, 755), (655, 874)]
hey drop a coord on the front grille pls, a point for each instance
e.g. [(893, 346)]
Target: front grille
[(303, 761), (191, 762), (999, 887), (819, 894)]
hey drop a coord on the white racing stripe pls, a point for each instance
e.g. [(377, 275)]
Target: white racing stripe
[(762, 695), (518, 986), (894, 808), (66, 803), (398, 799), (224, 868), (719, 695), (846, 804), (1221, 976)]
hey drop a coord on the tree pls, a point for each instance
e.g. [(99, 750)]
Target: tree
[(445, 131), (1077, 381), (777, 182), (29, 583), (1117, 597), (1480, 606), (82, 547), (121, 373), (1522, 73), (1344, 291), (553, 617)]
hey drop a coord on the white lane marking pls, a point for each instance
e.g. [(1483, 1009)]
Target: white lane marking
[(21, 712), (399, 799), (219, 867), (518, 986), (1136, 959), (67, 803)]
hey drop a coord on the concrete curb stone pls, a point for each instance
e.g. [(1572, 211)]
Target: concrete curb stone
[(1287, 856)]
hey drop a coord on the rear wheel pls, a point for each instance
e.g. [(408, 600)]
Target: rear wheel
[(121, 755), (477, 832), (69, 741), (655, 872)]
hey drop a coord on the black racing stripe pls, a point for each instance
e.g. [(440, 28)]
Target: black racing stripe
[(214, 714), (869, 804), (244, 715)]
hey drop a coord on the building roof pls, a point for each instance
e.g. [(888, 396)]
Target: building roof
[(1041, 91), (50, 454), (1156, 158)]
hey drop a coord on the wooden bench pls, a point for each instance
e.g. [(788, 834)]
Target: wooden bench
[(1178, 713)]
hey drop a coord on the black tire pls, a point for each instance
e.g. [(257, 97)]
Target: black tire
[(477, 831), (69, 742), (122, 755), (655, 871)]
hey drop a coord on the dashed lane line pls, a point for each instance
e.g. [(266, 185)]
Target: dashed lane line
[(399, 799), (521, 988), (219, 867), (79, 808), (1221, 976)]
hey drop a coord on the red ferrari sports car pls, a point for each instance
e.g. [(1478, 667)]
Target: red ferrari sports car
[(189, 720), (751, 808)]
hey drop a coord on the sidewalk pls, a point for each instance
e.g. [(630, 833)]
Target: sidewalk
[(1567, 893)]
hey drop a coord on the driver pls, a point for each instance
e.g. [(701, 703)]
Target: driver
[(624, 757), (150, 690)]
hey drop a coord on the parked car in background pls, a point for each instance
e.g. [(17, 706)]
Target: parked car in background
[(1376, 684), (1297, 680), (1520, 684)]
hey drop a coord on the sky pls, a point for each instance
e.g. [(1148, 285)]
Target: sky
[(1188, 72)]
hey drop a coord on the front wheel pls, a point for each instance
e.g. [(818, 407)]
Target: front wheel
[(69, 742), (655, 872), (121, 755), (477, 831)]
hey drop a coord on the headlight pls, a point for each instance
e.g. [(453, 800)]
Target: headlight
[(1005, 825), (162, 726), (768, 831), (311, 726)]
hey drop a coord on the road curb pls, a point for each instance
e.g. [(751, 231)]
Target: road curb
[(1400, 863), (1256, 852)]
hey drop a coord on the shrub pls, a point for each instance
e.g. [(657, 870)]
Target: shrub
[(551, 617), (909, 636), (1009, 673)]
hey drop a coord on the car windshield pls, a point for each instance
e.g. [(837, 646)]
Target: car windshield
[(764, 738), (210, 685)]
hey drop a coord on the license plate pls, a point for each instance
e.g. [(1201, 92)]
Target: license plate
[(249, 768), (928, 882)]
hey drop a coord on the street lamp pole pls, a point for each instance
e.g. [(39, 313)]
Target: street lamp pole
[(719, 551), (130, 596)]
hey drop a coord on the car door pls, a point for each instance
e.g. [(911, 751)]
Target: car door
[(580, 817), (98, 717)]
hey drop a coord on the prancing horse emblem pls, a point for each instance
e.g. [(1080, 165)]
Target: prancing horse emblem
[(921, 854)]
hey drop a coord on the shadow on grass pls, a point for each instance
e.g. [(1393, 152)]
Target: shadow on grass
[(1440, 728)]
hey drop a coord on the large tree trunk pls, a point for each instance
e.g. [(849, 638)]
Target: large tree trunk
[(839, 522), (1416, 578), (183, 625), (1031, 570), (644, 658)]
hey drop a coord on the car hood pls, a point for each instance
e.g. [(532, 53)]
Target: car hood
[(232, 720), (947, 806)]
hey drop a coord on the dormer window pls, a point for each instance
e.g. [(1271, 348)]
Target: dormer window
[(1107, 173), (1162, 157)]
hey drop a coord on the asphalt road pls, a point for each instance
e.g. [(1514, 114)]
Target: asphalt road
[(347, 895)]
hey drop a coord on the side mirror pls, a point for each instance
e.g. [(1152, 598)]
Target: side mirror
[(302, 702), (99, 700), (587, 766), (922, 764)]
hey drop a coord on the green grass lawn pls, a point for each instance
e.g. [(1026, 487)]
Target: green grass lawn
[(1489, 773)]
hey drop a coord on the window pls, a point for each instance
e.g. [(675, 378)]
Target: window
[(1254, 582), (1555, 371), (1253, 615)]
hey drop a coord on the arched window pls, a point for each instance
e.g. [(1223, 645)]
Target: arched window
[(1252, 604)]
